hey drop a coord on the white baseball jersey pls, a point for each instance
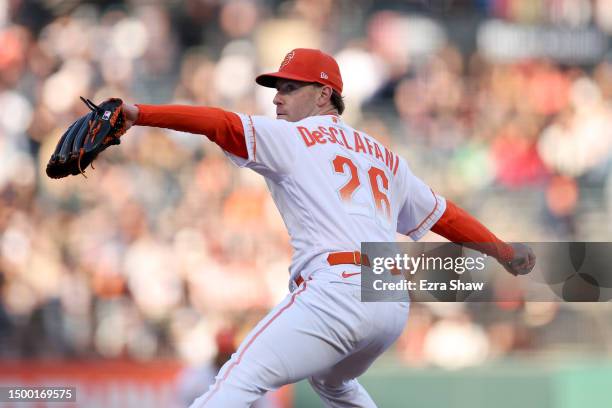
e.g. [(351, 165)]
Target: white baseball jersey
[(335, 187)]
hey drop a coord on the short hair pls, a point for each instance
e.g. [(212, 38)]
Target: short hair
[(338, 101)]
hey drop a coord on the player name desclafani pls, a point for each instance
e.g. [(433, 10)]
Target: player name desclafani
[(424, 284), (336, 135)]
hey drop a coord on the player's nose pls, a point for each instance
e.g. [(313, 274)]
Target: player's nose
[(278, 99)]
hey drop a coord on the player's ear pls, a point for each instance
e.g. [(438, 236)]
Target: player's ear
[(325, 94)]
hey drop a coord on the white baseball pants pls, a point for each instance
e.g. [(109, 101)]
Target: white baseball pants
[(320, 331)]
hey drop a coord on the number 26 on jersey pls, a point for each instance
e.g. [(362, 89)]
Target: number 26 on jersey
[(378, 181)]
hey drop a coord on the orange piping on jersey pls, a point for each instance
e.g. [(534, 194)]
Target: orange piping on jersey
[(458, 226), (254, 138), (220, 126), (234, 363), (428, 216)]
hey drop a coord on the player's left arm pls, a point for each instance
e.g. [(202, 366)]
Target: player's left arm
[(457, 225)]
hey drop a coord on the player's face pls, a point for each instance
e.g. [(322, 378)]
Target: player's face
[(296, 100)]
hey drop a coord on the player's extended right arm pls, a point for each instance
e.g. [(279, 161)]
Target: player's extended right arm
[(220, 126), (458, 226)]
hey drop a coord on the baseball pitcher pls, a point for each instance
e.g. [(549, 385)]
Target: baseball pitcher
[(335, 187)]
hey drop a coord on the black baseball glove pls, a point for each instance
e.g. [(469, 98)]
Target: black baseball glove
[(87, 137)]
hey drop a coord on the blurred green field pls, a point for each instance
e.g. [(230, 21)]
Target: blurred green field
[(507, 384)]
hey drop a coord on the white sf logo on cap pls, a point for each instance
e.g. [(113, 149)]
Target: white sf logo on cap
[(324, 75)]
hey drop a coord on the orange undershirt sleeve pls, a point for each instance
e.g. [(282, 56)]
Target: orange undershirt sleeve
[(220, 126), (458, 226)]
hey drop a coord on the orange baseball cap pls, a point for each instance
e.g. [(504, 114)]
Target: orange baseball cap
[(306, 65)]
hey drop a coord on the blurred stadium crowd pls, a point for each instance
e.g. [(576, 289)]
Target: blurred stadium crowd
[(166, 242)]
